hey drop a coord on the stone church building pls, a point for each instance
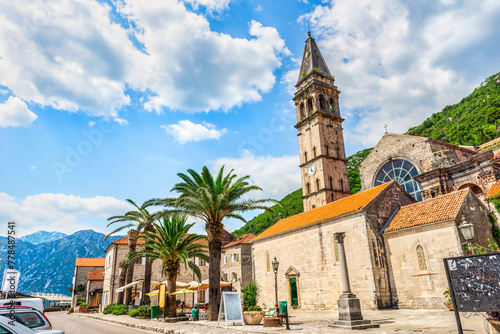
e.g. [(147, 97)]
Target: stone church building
[(416, 191)]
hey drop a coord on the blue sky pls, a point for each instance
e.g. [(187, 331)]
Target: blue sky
[(101, 101)]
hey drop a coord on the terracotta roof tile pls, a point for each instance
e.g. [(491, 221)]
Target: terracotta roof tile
[(432, 210), (493, 191), (96, 275), (490, 144), (340, 207), (244, 239), (86, 262), (497, 156)]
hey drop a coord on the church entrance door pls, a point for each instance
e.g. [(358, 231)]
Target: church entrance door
[(293, 292)]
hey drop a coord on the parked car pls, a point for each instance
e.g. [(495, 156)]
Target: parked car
[(7, 327), (26, 316), (31, 302)]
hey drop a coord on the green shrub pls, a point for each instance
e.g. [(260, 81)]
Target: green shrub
[(250, 295), (120, 309), (109, 309), (144, 311), (134, 313)]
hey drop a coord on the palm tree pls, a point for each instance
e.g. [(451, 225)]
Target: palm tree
[(202, 197), (173, 246), (137, 221)]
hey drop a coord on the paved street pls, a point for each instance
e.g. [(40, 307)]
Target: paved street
[(78, 325)]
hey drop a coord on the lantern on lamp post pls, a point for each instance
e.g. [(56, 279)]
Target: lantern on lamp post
[(276, 265), (467, 230)]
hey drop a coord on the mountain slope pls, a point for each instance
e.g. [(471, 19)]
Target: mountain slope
[(42, 236), (473, 121), (49, 267)]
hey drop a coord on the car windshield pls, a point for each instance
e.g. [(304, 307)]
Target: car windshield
[(4, 331), (28, 319)]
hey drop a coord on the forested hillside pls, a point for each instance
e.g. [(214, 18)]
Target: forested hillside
[(473, 121)]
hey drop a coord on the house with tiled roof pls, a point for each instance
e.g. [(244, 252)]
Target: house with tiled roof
[(420, 235), (236, 262), (303, 244), (117, 251), (80, 280), (95, 282)]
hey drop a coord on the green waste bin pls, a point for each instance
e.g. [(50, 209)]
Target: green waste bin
[(154, 311), (195, 314), (283, 307)]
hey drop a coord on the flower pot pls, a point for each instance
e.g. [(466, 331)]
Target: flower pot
[(449, 305), (253, 317), (84, 309), (495, 324)]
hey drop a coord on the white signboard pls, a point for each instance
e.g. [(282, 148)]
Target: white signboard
[(10, 281), (230, 308)]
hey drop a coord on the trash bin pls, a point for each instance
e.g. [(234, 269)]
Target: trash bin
[(283, 307), (154, 311), (195, 314)]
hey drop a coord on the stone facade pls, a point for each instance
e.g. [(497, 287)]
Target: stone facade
[(236, 266), (82, 268), (321, 143), (417, 284), (308, 255)]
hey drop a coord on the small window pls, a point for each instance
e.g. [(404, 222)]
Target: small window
[(234, 277), (327, 153), (331, 105), (341, 184), (225, 259), (301, 110), (421, 258), (309, 106), (338, 152), (234, 257), (331, 183), (317, 184), (201, 262), (322, 103), (314, 152), (308, 189), (305, 156), (140, 261)]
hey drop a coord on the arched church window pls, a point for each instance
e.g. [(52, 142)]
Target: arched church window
[(305, 156), (322, 103), (341, 184), (317, 184), (331, 105), (309, 106), (421, 258), (308, 189), (301, 111), (314, 152), (403, 172), (331, 183)]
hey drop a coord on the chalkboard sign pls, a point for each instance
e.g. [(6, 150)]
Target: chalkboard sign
[(475, 281), (230, 308)]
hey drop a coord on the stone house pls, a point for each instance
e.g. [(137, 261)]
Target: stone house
[(80, 279), (94, 287), (236, 262), (420, 235), (118, 250)]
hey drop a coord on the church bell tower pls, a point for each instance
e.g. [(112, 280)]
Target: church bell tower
[(321, 142)]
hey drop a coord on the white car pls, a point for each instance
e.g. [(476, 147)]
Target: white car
[(36, 303), (7, 326)]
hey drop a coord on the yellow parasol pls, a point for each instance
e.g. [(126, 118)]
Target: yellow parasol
[(181, 291)]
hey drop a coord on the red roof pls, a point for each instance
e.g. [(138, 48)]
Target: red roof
[(432, 210), (96, 275), (244, 239), (89, 262), (338, 208), (493, 191)]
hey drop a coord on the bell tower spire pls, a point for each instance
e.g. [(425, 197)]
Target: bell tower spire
[(321, 142)]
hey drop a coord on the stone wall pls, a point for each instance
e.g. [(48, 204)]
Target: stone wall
[(242, 266), (81, 278), (310, 252)]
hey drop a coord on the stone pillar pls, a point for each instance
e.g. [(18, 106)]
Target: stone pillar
[(349, 306)]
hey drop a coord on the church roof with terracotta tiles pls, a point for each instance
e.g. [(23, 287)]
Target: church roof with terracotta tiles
[(338, 208), (244, 239), (89, 262), (432, 210), (494, 190), (96, 275)]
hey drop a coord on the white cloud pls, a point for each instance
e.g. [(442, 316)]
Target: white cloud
[(85, 61), (91, 123), (14, 112), (186, 131), (32, 167), (120, 121), (49, 211), (397, 63), (259, 8), (277, 176)]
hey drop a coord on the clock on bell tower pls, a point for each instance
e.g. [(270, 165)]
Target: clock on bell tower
[(322, 154)]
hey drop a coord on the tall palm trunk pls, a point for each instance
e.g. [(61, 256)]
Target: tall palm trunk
[(132, 243), (121, 279), (171, 305), (214, 250), (147, 272)]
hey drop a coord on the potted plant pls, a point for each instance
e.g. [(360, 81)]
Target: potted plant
[(84, 308), (252, 314), (448, 302)]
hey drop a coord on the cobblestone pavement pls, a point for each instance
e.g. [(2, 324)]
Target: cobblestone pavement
[(316, 322)]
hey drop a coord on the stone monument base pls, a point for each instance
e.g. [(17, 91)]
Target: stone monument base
[(355, 324), (350, 314)]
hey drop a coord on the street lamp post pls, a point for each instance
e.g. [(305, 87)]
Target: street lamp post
[(276, 264), (467, 230)]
